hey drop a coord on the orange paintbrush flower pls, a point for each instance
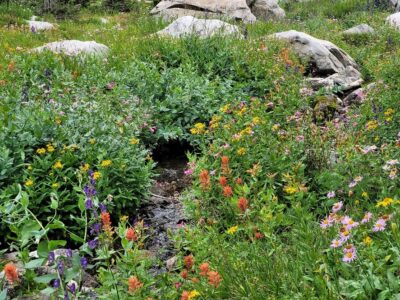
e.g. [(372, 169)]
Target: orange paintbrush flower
[(204, 269), (223, 181), (228, 191), (204, 179), (11, 273), (242, 204), (214, 278), (188, 261), (131, 235), (134, 284)]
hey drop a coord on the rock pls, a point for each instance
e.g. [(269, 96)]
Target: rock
[(171, 263), (203, 28), (394, 20), (356, 97), (40, 26), (395, 4), (359, 30), (325, 107), (74, 47), (329, 64), (266, 9), (234, 9), (104, 21)]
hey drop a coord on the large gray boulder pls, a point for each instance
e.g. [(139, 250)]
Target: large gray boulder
[(394, 20), (233, 9), (74, 48), (266, 9), (328, 64), (395, 4), (39, 25), (189, 25), (361, 29)]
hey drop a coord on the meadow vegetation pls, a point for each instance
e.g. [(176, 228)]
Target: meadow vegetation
[(280, 206)]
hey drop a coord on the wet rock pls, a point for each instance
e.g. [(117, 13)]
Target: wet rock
[(74, 48), (233, 9), (188, 25)]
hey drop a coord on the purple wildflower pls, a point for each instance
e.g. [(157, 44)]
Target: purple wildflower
[(60, 267), (95, 229), (69, 253), (103, 207), (336, 243), (367, 218), (55, 283), (66, 296), (84, 262), (51, 257), (93, 243), (331, 194), (380, 225), (72, 287), (337, 206), (88, 203), (349, 257)]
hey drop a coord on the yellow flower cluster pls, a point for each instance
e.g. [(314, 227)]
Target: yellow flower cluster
[(41, 151), (106, 163), (96, 175), (58, 165), (241, 151), (232, 230), (225, 108), (134, 141), (385, 202), (193, 294), (85, 167), (50, 148), (55, 185), (29, 182), (371, 125), (389, 114), (199, 128)]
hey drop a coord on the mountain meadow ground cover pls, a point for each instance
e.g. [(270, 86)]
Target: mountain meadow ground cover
[(280, 205)]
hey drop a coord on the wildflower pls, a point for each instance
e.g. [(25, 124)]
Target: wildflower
[(188, 261), (327, 222), (55, 283), (88, 203), (11, 273), (92, 141), (371, 125), (389, 112), (184, 274), (258, 235), (227, 191), (28, 183), (214, 278), (367, 217), (331, 194), (106, 163), (241, 151), (105, 218), (290, 190), (60, 267), (336, 243), (223, 181), (41, 151), (225, 108), (55, 185), (188, 172), (367, 241), (204, 269), (352, 184), (349, 248), (385, 202), (380, 225), (72, 287), (195, 280), (358, 178), (50, 257), (93, 243), (131, 235), (337, 207), (232, 230), (69, 252), (95, 229), (300, 138), (96, 175), (85, 167), (275, 127), (134, 284), (58, 165), (199, 128), (225, 164), (134, 141), (368, 149), (349, 223), (84, 262), (364, 195), (204, 179), (393, 174), (344, 234), (239, 181), (242, 204), (349, 257)]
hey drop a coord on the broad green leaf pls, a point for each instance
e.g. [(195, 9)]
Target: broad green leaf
[(36, 263), (3, 294), (56, 244), (43, 249)]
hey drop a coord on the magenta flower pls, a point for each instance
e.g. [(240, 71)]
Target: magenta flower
[(337, 206), (188, 172), (331, 194), (367, 217), (380, 225), (349, 257)]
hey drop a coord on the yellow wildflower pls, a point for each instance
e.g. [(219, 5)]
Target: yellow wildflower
[(232, 230), (58, 165), (290, 190), (275, 127), (29, 167), (50, 148), (29, 182), (241, 151), (364, 195), (92, 141), (96, 175), (123, 218), (227, 126), (85, 167), (134, 141), (193, 294), (106, 163), (55, 185), (58, 120), (367, 241), (149, 158), (256, 120), (225, 108), (371, 125), (198, 128), (389, 112), (242, 111), (41, 151), (385, 202)]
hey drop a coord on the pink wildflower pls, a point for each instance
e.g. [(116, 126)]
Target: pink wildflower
[(326, 223), (331, 194), (379, 225), (337, 206), (349, 257), (336, 243), (188, 172), (367, 217)]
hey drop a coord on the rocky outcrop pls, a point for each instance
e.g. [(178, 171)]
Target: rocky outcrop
[(233, 9), (359, 30), (266, 9), (328, 64), (394, 20), (74, 47), (188, 25), (39, 25)]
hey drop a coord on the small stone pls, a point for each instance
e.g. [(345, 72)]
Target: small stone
[(171, 263), (359, 30)]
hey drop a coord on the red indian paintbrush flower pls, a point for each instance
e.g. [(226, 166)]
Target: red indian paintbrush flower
[(184, 274), (214, 278), (188, 261), (225, 164), (242, 204), (228, 191), (131, 235), (223, 181), (134, 284), (185, 295), (204, 269), (204, 179), (11, 273)]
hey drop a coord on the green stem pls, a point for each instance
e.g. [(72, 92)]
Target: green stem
[(112, 275), (40, 223)]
